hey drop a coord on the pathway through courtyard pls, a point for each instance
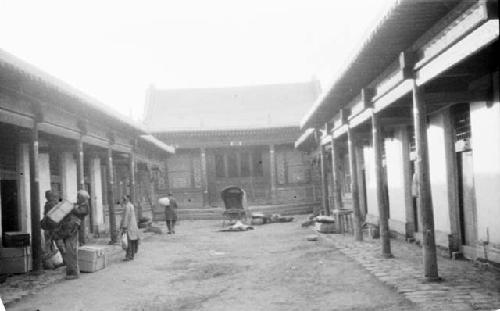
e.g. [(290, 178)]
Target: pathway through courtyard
[(272, 267)]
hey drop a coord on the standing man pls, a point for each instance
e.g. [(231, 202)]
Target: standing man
[(170, 212), (129, 227)]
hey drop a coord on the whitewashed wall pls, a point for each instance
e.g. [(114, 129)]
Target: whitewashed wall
[(371, 182), (43, 178), (485, 128), (395, 178), (438, 173), (69, 183), (96, 192)]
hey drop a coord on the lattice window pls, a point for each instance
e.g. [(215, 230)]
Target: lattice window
[(461, 121), (413, 144)]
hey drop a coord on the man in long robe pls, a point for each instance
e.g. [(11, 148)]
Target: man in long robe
[(129, 227)]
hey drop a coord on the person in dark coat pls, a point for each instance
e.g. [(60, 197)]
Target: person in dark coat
[(171, 214), (67, 234)]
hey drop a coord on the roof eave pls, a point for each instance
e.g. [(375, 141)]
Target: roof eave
[(58, 85), (158, 143)]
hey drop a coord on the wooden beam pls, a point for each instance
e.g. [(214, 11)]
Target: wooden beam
[(394, 121), (272, 173), (396, 93), (81, 185), (337, 194), (132, 171), (324, 183), (479, 38), (449, 98), (36, 231), (424, 189), (80, 167), (336, 133), (366, 97), (452, 180), (351, 141), (407, 63), (383, 207), (325, 140), (204, 177), (111, 197), (361, 117), (344, 115)]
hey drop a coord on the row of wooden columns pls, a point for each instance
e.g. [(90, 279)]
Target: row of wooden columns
[(35, 195), (422, 168)]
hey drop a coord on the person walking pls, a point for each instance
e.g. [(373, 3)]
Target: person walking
[(129, 227), (170, 212)]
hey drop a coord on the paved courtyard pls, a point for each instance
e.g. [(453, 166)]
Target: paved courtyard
[(272, 267), (464, 286)]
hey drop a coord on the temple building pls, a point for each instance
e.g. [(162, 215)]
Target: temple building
[(241, 136)]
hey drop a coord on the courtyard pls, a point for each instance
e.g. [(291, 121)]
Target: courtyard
[(273, 267)]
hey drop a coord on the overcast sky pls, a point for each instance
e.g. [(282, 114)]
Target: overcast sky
[(114, 49)]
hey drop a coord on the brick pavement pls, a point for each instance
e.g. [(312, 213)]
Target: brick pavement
[(465, 286)]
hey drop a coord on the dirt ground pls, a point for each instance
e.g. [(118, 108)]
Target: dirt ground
[(272, 267)]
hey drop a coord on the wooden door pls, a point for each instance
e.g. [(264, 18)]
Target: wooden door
[(9, 206), (467, 199)]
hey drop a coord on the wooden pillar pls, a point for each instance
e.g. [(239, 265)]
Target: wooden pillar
[(132, 167), (36, 230), (80, 180), (111, 198), (79, 167), (204, 176), (324, 182), (351, 142), (226, 167), (272, 172), (383, 207), (424, 198), (337, 194)]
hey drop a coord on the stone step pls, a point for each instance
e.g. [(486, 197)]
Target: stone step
[(216, 213)]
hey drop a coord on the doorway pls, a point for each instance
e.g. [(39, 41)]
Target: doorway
[(466, 199), (10, 207), (414, 190)]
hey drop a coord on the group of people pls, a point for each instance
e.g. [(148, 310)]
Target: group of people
[(65, 236)]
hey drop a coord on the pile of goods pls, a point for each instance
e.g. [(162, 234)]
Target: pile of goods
[(325, 224)]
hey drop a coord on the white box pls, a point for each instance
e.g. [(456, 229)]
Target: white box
[(58, 212), (92, 258)]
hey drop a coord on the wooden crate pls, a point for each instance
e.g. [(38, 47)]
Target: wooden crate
[(92, 258), (325, 227), (15, 260), (16, 239)]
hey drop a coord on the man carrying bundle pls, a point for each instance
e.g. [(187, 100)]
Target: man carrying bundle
[(66, 234), (170, 205)]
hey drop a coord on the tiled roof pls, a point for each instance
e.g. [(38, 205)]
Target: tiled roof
[(403, 23), (231, 108), (11, 63)]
